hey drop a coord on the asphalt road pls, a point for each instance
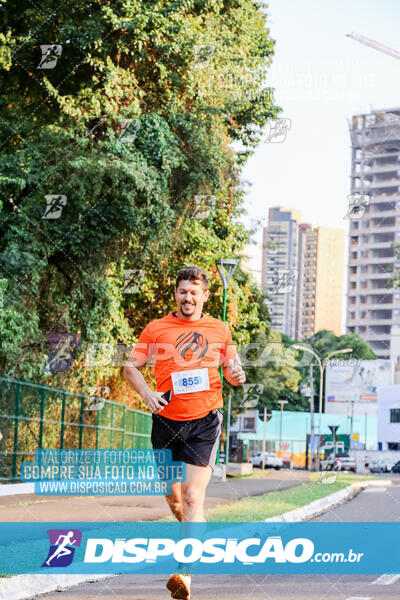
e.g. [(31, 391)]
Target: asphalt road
[(379, 505), (28, 507)]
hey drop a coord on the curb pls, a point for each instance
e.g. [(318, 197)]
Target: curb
[(24, 587), (317, 507), (12, 489)]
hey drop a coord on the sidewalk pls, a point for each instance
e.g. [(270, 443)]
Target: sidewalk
[(29, 507)]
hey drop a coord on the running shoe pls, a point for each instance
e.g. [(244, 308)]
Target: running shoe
[(179, 586)]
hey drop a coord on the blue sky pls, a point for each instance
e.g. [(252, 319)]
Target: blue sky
[(321, 78)]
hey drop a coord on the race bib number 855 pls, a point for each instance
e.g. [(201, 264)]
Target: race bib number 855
[(186, 382)]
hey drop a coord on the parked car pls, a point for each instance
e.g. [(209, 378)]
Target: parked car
[(381, 465), (338, 462), (270, 460), (396, 468)]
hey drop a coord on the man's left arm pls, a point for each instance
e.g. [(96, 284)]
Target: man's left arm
[(234, 372), (231, 364)]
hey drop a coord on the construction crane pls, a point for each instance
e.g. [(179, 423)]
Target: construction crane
[(374, 44)]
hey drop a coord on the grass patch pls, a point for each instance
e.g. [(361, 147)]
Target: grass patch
[(259, 474), (258, 508)]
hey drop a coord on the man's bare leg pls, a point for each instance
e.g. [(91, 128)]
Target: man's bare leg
[(193, 492), (175, 500)]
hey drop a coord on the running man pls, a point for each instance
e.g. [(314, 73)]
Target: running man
[(62, 550), (188, 347)]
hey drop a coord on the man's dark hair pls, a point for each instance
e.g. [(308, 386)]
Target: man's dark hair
[(192, 273)]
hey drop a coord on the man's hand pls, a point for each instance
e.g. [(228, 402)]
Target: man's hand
[(236, 374), (155, 401)]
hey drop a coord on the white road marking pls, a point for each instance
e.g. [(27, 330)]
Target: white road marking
[(372, 490), (359, 598), (386, 579)]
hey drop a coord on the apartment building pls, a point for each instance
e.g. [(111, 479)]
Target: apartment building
[(246, 267), (373, 305), (280, 267), (316, 256), (305, 314)]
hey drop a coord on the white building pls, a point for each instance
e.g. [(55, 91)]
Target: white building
[(389, 417), (395, 352)]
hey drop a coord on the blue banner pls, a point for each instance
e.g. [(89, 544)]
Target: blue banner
[(220, 548), (103, 472)]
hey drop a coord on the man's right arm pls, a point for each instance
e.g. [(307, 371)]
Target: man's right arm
[(133, 376)]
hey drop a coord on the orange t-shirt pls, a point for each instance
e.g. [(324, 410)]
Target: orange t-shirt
[(178, 345)]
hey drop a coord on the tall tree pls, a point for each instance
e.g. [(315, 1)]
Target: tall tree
[(113, 117)]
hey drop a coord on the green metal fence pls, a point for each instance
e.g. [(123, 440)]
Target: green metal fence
[(34, 417)]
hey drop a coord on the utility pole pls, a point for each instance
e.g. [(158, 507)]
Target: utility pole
[(312, 453), (352, 416), (281, 402), (267, 415), (264, 439)]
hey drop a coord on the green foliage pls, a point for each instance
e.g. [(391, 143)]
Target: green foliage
[(270, 364), (129, 204), (324, 342)]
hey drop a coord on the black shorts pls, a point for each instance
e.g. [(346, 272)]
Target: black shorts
[(194, 442)]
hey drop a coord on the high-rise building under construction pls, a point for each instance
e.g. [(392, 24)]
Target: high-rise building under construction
[(373, 305)]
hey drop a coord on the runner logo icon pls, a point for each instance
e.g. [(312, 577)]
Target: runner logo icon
[(62, 542), (192, 342)]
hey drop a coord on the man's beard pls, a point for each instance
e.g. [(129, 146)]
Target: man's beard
[(188, 307)]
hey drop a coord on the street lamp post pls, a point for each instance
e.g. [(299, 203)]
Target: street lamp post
[(308, 391), (230, 265), (226, 268), (322, 365)]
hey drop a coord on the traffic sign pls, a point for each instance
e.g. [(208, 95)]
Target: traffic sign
[(333, 429), (261, 415)]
